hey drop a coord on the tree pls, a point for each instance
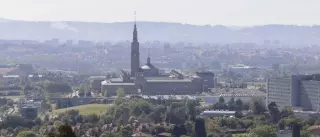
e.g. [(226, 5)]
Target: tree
[(200, 128), (120, 92), (66, 131), (220, 104), (81, 90), (51, 134), (257, 106), (239, 105), (26, 134), (274, 112), (286, 112), (221, 100), (178, 131), (57, 87), (126, 131), (108, 134), (264, 131), (57, 124), (282, 124), (304, 133), (191, 109), (231, 104)]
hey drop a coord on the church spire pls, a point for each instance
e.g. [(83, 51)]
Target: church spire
[(135, 55), (135, 32)]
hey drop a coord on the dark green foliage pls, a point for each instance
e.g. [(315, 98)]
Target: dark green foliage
[(157, 130), (178, 130), (57, 87), (220, 105), (238, 105), (257, 106), (309, 121), (286, 112), (200, 128), (264, 131), (66, 131), (191, 109), (274, 112), (281, 124), (296, 127), (26, 134), (231, 104), (108, 134), (16, 121), (126, 131)]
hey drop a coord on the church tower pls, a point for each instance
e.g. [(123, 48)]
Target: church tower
[(135, 55)]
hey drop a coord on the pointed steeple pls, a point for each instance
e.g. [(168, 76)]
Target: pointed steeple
[(135, 32), (135, 55)]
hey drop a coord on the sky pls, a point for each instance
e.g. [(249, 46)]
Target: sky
[(197, 12)]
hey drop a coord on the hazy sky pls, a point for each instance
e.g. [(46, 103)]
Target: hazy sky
[(201, 12)]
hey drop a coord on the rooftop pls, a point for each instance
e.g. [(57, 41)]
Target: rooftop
[(116, 80), (120, 84), (168, 80), (145, 67), (238, 92), (218, 112)]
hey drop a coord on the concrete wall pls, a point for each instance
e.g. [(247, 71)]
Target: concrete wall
[(96, 85), (295, 88), (279, 91), (309, 95), (112, 89), (167, 88)]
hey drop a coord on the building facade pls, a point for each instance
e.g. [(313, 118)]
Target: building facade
[(299, 91)]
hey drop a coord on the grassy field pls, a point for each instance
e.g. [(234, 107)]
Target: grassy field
[(85, 109)]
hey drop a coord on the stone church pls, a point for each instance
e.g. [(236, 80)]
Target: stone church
[(147, 80)]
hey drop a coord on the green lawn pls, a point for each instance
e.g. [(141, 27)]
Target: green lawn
[(85, 109)]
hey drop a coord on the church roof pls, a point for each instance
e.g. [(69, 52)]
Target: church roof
[(148, 66), (145, 67), (169, 80)]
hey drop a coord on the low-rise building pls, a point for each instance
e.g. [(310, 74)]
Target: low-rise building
[(217, 113), (29, 112)]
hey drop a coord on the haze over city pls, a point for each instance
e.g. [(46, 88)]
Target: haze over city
[(159, 68), (197, 12)]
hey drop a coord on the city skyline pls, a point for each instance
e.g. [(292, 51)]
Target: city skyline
[(203, 12)]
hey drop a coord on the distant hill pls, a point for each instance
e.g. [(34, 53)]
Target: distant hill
[(151, 31)]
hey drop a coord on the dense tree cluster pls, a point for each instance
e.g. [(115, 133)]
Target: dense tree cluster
[(162, 117)]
